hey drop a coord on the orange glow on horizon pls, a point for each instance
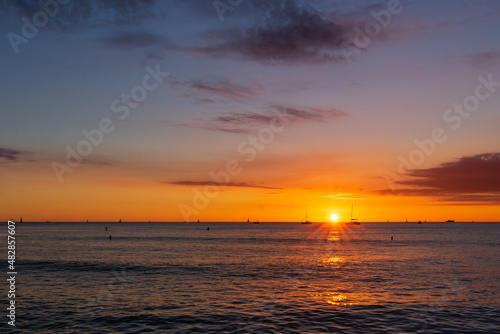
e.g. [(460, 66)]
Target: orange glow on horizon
[(107, 195)]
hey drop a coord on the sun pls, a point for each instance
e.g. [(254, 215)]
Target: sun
[(334, 217)]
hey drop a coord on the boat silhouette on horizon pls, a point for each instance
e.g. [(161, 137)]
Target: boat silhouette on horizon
[(307, 220), (354, 221)]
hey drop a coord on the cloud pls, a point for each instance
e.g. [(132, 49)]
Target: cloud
[(10, 155), (293, 115), (212, 127), (222, 87), (246, 122), (212, 183), (87, 13), (484, 59), (473, 12), (343, 197), (133, 40), (468, 179), (296, 115), (289, 31)]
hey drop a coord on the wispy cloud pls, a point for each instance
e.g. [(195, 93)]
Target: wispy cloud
[(472, 12), (211, 183), (484, 59), (133, 40), (344, 197), (88, 13), (246, 122), (297, 115), (223, 87), (10, 155), (468, 179)]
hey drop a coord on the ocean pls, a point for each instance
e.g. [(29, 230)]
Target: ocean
[(256, 278)]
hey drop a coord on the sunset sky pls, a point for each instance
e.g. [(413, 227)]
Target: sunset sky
[(393, 106)]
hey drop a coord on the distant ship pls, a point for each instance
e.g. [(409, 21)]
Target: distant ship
[(450, 221), (354, 221), (307, 220), (256, 222)]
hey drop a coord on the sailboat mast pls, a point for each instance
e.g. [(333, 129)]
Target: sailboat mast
[(352, 207)]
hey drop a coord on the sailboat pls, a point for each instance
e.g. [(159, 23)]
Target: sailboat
[(120, 220), (21, 219), (307, 220), (354, 221), (248, 220)]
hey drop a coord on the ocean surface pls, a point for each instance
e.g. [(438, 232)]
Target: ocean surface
[(249, 278)]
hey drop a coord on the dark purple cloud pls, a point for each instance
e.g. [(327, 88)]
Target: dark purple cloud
[(288, 31), (88, 12), (475, 178), (133, 40), (223, 87), (10, 155)]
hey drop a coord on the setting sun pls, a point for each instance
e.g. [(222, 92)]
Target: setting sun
[(334, 217)]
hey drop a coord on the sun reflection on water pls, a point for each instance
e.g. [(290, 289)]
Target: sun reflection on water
[(338, 300), (334, 260), (334, 236)]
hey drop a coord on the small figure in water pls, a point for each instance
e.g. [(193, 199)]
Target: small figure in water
[(208, 228), (392, 238), (110, 237), (106, 228)]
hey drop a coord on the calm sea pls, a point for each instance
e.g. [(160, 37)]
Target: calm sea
[(249, 278)]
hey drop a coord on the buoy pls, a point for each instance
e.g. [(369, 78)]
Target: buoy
[(392, 238)]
